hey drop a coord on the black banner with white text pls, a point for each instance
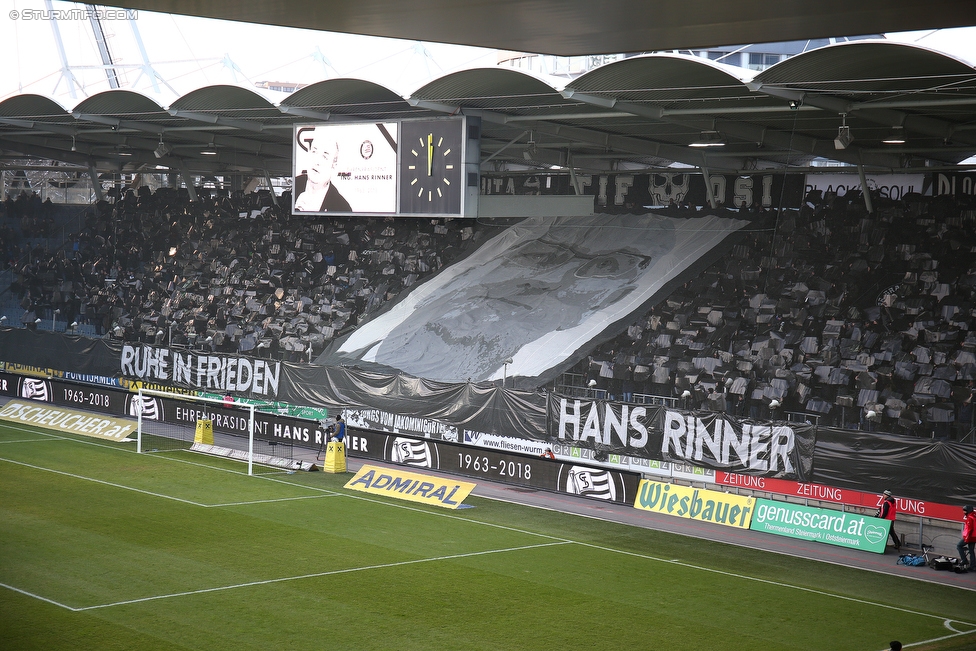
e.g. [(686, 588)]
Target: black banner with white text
[(705, 439)]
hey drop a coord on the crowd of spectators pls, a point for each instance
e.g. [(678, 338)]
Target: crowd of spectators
[(27, 219), (230, 273), (825, 314)]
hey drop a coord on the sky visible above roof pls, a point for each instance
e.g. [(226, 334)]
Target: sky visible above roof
[(187, 53)]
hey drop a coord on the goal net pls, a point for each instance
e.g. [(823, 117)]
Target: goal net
[(172, 421)]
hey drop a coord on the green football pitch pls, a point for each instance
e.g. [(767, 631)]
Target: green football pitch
[(102, 548)]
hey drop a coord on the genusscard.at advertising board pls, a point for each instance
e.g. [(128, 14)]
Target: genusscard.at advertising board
[(821, 525)]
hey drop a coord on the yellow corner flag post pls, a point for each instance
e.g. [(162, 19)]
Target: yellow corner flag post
[(335, 457), (204, 433)]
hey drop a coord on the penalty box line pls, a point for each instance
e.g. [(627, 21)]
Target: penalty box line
[(308, 576), (161, 495)]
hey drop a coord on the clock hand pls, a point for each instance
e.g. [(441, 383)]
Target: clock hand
[(430, 154)]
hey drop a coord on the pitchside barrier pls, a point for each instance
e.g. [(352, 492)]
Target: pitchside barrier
[(279, 435), (934, 524)]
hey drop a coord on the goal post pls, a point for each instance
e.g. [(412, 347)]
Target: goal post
[(173, 421)]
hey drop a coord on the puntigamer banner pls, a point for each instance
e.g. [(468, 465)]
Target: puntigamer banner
[(821, 525), (695, 504)]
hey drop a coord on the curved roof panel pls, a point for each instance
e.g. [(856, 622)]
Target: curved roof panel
[(351, 97), (119, 103), (637, 112), (332, 93), (663, 79), (228, 101), (870, 66), (31, 106), (500, 89)]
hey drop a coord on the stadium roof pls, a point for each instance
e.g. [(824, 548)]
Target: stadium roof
[(576, 27), (641, 112)]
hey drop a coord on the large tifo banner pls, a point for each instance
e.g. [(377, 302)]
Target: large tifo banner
[(529, 300), (630, 192), (710, 440)]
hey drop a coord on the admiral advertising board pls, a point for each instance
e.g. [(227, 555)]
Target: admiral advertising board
[(523, 470), (411, 486)]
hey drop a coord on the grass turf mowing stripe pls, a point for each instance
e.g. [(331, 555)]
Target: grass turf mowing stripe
[(458, 518), (319, 574), (101, 481), (780, 584), (570, 578)]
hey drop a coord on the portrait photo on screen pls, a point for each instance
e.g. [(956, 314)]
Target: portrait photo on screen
[(345, 168)]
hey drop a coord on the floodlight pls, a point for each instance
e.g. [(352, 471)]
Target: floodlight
[(709, 139), (896, 137), (844, 137)]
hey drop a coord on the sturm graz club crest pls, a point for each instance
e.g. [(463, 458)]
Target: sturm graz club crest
[(151, 407), (591, 482), (410, 452), (35, 389), (888, 295)]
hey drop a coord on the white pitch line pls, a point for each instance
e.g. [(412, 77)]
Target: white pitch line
[(28, 441), (103, 482), (115, 448), (778, 584), (937, 639), (317, 574), (564, 541), (38, 597), (271, 501), (167, 497)]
